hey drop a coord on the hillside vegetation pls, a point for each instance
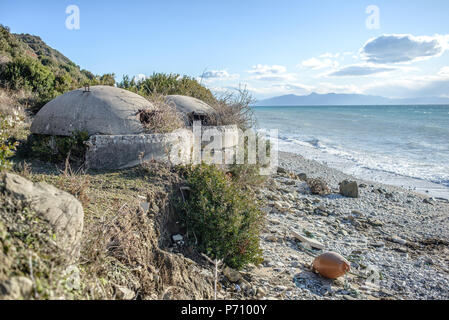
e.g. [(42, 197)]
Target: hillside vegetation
[(41, 72)]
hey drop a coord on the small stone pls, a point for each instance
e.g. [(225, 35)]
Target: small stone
[(311, 242), (261, 292), (16, 288), (281, 170), (177, 238), (145, 206), (318, 186), (375, 222), (349, 189), (123, 293), (302, 176), (357, 213), (398, 240), (232, 275), (294, 264), (322, 211), (378, 244), (339, 282)]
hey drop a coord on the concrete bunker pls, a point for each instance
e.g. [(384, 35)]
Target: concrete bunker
[(192, 109), (115, 118)]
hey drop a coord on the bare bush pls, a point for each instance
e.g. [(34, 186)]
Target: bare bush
[(75, 182), (234, 108), (163, 119)]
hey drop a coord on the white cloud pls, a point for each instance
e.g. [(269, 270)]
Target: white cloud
[(271, 73), (358, 70), (316, 64), (139, 77), (267, 70), (444, 72), (330, 55), (219, 74), (403, 48), (327, 87), (411, 86)]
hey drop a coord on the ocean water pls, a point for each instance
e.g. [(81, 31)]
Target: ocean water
[(406, 146)]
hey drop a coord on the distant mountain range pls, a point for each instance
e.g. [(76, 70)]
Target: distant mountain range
[(315, 99)]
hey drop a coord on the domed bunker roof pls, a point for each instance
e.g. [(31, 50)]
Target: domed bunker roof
[(191, 109), (102, 110)]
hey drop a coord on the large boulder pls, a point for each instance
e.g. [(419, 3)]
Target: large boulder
[(101, 110), (61, 210)]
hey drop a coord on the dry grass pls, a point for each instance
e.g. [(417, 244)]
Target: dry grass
[(163, 119), (75, 182), (14, 101)]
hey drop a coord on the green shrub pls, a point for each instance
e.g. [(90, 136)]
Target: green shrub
[(168, 84), (27, 73), (224, 218), (57, 148), (7, 148)]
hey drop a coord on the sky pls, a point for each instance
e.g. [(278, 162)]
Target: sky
[(392, 48)]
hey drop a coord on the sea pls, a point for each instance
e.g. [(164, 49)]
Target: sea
[(401, 145)]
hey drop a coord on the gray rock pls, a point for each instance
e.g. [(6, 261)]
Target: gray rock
[(398, 240), (349, 189), (16, 288), (232, 275), (375, 222), (281, 170), (123, 293), (60, 209), (261, 292), (378, 244), (311, 242)]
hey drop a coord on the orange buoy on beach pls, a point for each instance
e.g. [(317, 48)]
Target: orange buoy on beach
[(331, 265)]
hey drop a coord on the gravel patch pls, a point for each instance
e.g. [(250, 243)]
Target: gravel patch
[(395, 239)]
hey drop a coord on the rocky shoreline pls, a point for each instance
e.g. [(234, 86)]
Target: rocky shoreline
[(396, 240)]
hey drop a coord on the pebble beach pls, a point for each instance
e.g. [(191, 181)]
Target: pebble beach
[(396, 240)]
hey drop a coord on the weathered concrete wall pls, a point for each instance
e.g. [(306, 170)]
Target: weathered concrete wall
[(124, 151), (179, 147)]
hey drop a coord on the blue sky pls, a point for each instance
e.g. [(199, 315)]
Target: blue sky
[(272, 47)]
